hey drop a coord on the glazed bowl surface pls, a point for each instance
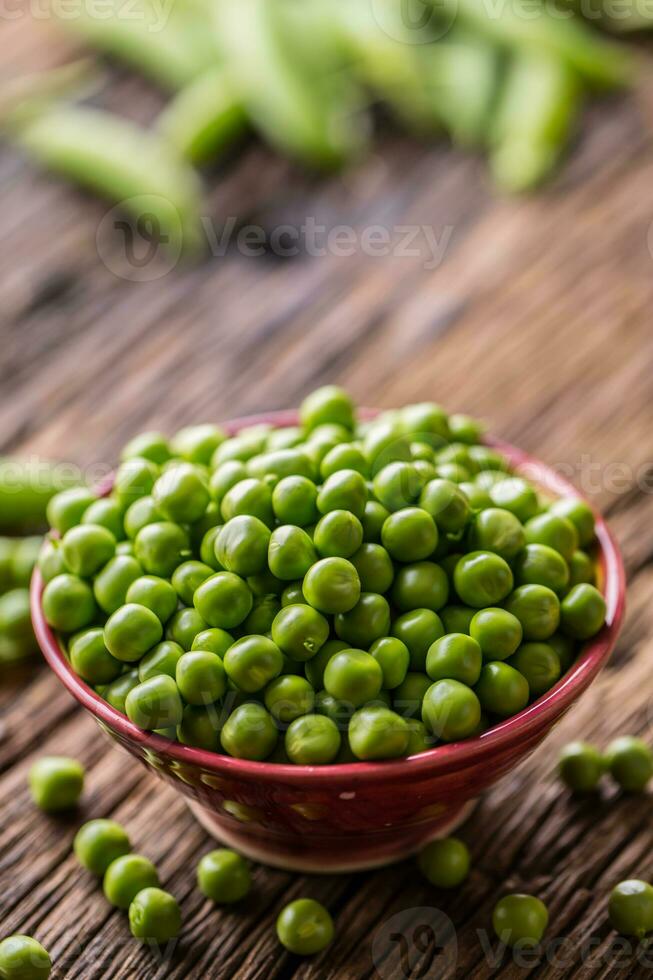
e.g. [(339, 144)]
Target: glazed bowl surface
[(353, 816)]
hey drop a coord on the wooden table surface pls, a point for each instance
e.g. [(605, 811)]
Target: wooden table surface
[(538, 318)]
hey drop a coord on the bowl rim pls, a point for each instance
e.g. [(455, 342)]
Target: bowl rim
[(530, 722)]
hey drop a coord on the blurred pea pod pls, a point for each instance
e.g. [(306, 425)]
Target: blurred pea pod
[(205, 118), (545, 32), (301, 100), (167, 41), (540, 100), (25, 489), (133, 167)]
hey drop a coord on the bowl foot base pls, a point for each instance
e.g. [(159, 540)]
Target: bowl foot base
[(285, 859)]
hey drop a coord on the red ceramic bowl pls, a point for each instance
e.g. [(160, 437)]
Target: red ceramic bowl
[(348, 817)]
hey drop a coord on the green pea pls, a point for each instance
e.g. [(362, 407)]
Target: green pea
[(290, 435), (455, 656), (142, 512), (216, 640), (410, 535), (293, 595), (201, 677), (427, 420), (373, 519), (419, 739), (338, 535), (501, 689), (315, 667), (197, 443), (161, 659), (249, 733), (56, 783), (397, 485), (581, 766), (154, 916), (554, 531), (374, 566), (393, 658), (67, 508), (353, 676), (150, 445), (498, 531), (451, 710), (184, 627), (106, 513), (291, 553), (580, 514), (457, 619), (187, 577), (113, 582), (207, 548), (423, 585), (181, 493), (288, 697), (305, 927), (445, 862), (156, 594), (23, 958), (91, 659), (226, 476), (478, 497), (242, 545), (465, 429), (581, 569), (98, 843), (583, 611), (497, 632), (447, 505), (344, 490), (300, 631), (126, 877), (539, 664), (116, 692), (262, 615), (249, 497), (224, 877), (281, 463), (520, 920), (200, 727), (51, 561), (418, 629), (339, 712), (630, 762), (131, 631), (294, 500), (482, 578), (537, 609), (68, 603), (540, 565), (312, 740), (408, 697), (224, 600), (516, 495), (368, 621), (631, 908), (332, 586), (376, 732), (16, 630), (160, 547), (344, 456), (327, 405), (154, 704), (134, 478), (253, 662)]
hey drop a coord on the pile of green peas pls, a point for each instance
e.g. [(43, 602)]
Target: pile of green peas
[(18, 557), (330, 592)]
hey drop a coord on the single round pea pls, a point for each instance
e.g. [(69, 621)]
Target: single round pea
[(67, 508), (427, 420), (501, 689), (353, 676), (107, 513), (68, 603), (224, 877), (482, 578), (98, 843), (248, 443), (300, 631), (423, 585), (332, 586), (293, 595), (451, 710), (16, 630), (419, 739), (375, 732), (131, 631), (447, 505), (181, 493), (457, 619), (91, 659), (580, 514), (134, 478), (497, 632), (498, 531), (581, 569), (418, 629), (154, 703), (344, 490), (516, 495), (242, 545), (150, 445), (630, 762), (263, 613), (51, 561), (455, 656), (126, 877), (410, 535), (339, 712), (368, 621), (478, 497), (23, 958), (315, 667), (539, 664), (312, 740), (397, 485), (251, 497), (373, 519), (226, 476), (249, 733), (582, 612), (565, 648), (187, 577), (554, 531), (581, 766), (156, 594), (520, 920), (207, 548), (294, 501), (374, 566), (386, 442), (114, 581), (201, 677), (291, 553), (445, 862), (305, 927), (281, 463), (327, 405), (338, 535), (465, 429), (631, 908), (214, 639), (408, 697), (253, 662), (184, 627), (87, 548), (56, 783), (288, 697), (161, 659), (538, 564), (160, 547), (537, 609), (344, 456), (393, 658), (223, 600), (200, 727), (154, 916), (197, 443), (116, 692)]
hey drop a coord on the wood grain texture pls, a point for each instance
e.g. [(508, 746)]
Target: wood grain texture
[(538, 319)]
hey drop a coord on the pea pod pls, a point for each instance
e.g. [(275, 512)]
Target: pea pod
[(205, 118), (310, 114), (540, 101), (112, 156)]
